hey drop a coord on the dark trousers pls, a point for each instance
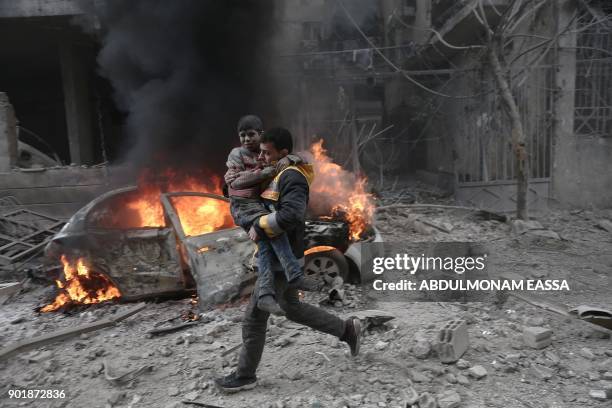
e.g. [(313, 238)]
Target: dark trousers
[(271, 250), (255, 323)]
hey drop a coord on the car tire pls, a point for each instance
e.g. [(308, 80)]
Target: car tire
[(331, 263)]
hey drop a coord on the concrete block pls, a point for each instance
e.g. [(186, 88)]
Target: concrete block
[(477, 372), (426, 400), (410, 396), (453, 341), (601, 395), (449, 399), (537, 337)]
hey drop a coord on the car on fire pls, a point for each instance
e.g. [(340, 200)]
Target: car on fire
[(169, 243)]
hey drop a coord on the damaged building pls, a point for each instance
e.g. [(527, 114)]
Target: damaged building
[(359, 67), (61, 124)]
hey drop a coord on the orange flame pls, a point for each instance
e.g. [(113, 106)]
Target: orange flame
[(336, 190), (198, 215), (81, 286)]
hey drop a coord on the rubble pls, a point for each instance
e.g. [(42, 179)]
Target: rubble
[(449, 399), (453, 341), (410, 396), (463, 364), (537, 337), (541, 372), (9, 289), (391, 375), (606, 225), (477, 372), (587, 353), (67, 333), (426, 400), (601, 395)]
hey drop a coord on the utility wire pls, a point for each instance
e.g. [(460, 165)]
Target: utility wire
[(397, 69)]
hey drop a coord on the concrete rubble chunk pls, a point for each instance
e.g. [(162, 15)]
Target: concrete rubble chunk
[(537, 337), (477, 372), (116, 397), (421, 349), (453, 341), (381, 345), (283, 341), (522, 226), (191, 396), (601, 395), (605, 365), (410, 396), (39, 357), (541, 372), (605, 225), (554, 358), (449, 399), (426, 400), (373, 317), (462, 379), (587, 353), (419, 377), (463, 364)]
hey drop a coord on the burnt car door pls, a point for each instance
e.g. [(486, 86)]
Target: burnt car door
[(141, 260), (219, 255)]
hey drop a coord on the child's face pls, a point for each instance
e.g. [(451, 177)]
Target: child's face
[(249, 139)]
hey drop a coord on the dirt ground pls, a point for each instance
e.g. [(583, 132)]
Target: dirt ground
[(303, 368)]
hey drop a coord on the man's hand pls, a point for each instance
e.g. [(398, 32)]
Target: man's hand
[(287, 161), (253, 235)]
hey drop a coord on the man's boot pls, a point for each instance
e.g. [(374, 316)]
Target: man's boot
[(234, 383), (352, 334), (306, 284), (267, 303)]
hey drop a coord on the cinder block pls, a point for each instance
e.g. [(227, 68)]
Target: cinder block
[(537, 337), (453, 341)]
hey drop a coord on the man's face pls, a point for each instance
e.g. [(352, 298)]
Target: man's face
[(269, 154), (249, 139)]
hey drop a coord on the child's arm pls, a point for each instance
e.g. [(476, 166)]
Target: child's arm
[(234, 166), (252, 178), (290, 159)]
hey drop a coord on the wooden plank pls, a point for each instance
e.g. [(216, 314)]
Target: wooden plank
[(63, 334), (7, 289)]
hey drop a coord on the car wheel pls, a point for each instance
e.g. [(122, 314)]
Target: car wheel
[(330, 263)]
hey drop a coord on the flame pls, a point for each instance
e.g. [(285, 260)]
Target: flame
[(143, 208), (81, 286), (321, 248), (339, 192)]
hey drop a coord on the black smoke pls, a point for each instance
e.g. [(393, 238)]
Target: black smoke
[(183, 72)]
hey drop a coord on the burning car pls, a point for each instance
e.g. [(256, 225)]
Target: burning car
[(124, 245)]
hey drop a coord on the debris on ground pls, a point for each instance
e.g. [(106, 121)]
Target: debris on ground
[(523, 351)]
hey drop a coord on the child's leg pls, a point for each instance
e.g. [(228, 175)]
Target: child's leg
[(266, 300), (284, 253), (264, 270)]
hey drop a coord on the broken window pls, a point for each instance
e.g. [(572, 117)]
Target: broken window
[(593, 96)]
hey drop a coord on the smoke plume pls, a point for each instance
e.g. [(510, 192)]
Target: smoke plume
[(184, 72)]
